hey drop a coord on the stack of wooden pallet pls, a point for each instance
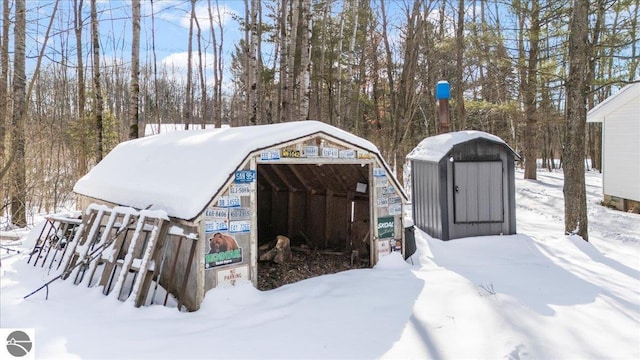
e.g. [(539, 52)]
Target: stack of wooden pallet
[(116, 248)]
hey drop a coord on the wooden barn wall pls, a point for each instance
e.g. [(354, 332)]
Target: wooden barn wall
[(265, 223), (316, 219), (338, 215), (279, 214), (322, 219), (227, 218), (360, 229), (191, 297), (297, 215)]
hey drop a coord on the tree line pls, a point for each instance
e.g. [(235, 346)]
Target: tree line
[(525, 70)]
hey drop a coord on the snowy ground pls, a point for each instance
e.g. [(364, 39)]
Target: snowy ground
[(535, 295)]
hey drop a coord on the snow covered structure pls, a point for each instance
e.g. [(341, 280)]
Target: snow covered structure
[(463, 184), (238, 188), (620, 118)]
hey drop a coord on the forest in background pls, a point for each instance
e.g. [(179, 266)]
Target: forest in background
[(72, 89)]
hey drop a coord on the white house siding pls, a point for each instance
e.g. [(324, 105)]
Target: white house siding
[(621, 151)]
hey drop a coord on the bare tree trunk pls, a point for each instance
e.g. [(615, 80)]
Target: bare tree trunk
[(156, 88), (320, 93), (294, 107), (284, 99), (4, 96), (83, 152), (188, 106), (305, 60), (263, 99), (134, 116), (204, 111), (254, 69), (575, 201), (633, 66), (352, 86), (338, 109), (18, 192), (594, 129), (459, 91), (389, 62), (97, 89), (217, 65), (21, 94), (530, 96), (406, 90)]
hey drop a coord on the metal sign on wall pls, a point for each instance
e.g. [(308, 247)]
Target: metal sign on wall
[(386, 226)]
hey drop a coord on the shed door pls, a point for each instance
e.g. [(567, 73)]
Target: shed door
[(477, 192)]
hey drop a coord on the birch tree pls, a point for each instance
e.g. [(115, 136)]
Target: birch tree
[(306, 26), (97, 87), (188, 106), (134, 116), (217, 63)]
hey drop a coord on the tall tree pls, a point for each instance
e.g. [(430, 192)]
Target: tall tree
[(134, 116), (529, 93), (156, 85), (459, 89), (83, 151), (4, 93), (305, 60), (204, 101), (217, 63), (575, 200), (284, 92), (188, 106), (294, 14), (18, 191), (97, 87)]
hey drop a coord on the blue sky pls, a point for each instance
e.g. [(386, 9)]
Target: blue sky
[(171, 30)]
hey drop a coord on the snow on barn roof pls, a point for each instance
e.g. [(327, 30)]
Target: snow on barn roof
[(434, 148), (155, 129), (180, 172)]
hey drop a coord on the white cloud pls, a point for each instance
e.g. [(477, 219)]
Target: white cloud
[(202, 14)]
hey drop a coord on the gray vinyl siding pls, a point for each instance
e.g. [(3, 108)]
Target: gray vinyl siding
[(484, 172), (425, 181), (478, 192)]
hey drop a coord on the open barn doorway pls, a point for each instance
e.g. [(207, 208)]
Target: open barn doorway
[(325, 212)]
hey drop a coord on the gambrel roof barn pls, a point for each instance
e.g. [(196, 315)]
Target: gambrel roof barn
[(240, 188)]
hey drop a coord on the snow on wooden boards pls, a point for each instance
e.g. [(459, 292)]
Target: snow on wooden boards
[(51, 245), (117, 248)]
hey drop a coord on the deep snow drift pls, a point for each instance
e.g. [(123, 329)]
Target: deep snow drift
[(535, 295)]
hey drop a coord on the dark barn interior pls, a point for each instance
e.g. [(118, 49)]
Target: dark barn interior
[(323, 209)]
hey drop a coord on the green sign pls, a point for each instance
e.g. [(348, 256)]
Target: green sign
[(386, 226), (222, 258)]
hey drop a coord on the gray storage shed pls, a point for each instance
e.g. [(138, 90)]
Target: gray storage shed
[(463, 184)]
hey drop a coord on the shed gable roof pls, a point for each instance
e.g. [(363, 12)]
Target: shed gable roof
[(434, 148), (180, 172), (627, 94)]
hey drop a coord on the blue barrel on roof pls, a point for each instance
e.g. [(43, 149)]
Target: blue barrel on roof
[(443, 90)]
